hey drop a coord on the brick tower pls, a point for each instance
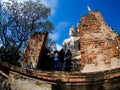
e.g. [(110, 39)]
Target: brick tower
[(98, 42)]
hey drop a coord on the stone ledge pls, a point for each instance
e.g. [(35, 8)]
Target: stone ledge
[(62, 76)]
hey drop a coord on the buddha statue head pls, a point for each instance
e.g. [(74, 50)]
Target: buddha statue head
[(73, 31)]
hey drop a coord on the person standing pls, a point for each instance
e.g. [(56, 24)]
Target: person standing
[(61, 58), (68, 57), (56, 60)]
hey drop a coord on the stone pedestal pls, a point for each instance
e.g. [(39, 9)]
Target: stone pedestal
[(76, 61)]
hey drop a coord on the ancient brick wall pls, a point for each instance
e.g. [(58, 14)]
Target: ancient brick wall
[(33, 50), (97, 41), (118, 41), (23, 79)]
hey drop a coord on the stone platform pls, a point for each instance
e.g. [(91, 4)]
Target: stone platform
[(61, 80)]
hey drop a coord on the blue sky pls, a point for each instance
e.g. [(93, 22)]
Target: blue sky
[(66, 13)]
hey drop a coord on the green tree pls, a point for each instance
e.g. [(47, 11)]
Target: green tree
[(18, 20)]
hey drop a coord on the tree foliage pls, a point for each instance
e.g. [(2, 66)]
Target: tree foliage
[(18, 20)]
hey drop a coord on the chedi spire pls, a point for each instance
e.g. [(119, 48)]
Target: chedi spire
[(89, 9)]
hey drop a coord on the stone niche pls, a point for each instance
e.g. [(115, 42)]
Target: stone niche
[(33, 50), (98, 43)]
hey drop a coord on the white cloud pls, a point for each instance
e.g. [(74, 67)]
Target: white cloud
[(62, 25), (59, 47), (54, 36), (59, 29), (50, 3)]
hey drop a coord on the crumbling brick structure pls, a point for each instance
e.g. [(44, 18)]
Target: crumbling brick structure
[(33, 50), (98, 41)]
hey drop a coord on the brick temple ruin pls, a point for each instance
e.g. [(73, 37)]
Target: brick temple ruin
[(98, 43), (98, 49), (33, 51), (95, 64)]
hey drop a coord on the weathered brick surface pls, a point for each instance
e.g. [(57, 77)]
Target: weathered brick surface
[(33, 50), (98, 41)]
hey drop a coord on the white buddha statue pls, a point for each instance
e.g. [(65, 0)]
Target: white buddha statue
[(73, 41)]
